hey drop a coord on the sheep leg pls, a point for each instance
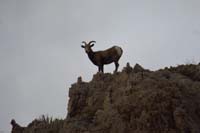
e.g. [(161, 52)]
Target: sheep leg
[(100, 68), (116, 66)]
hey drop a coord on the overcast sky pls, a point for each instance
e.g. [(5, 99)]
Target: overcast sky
[(40, 51)]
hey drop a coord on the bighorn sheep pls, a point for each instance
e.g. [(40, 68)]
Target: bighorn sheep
[(100, 58)]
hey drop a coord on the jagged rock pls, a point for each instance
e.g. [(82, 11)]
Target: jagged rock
[(79, 81), (128, 68), (138, 68), (134, 101), (16, 128)]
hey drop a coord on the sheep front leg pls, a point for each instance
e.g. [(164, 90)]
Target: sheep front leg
[(100, 68)]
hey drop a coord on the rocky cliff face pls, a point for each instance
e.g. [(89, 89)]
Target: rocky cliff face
[(133, 101)]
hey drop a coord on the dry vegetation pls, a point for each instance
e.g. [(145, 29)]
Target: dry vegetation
[(135, 100)]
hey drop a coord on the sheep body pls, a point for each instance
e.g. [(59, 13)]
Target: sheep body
[(107, 56), (100, 58)]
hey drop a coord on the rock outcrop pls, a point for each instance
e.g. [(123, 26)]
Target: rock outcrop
[(135, 100), (16, 128)]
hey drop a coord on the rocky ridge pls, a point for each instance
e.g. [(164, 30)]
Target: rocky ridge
[(135, 100)]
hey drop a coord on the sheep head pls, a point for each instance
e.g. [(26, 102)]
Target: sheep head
[(88, 46)]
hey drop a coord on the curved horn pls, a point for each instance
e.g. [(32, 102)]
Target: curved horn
[(92, 42), (84, 42)]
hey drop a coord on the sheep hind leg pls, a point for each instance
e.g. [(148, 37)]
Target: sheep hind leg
[(102, 69), (116, 66)]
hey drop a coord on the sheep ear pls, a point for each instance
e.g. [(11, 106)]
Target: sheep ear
[(92, 45), (82, 46)]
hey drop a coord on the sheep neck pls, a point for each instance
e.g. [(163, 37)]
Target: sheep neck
[(91, 56)]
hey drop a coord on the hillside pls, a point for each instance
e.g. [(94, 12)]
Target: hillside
[(135, 100)]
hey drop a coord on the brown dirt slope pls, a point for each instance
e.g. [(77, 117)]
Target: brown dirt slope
[(133, 101)]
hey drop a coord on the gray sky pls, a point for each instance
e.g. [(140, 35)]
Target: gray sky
[(40, 49)]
